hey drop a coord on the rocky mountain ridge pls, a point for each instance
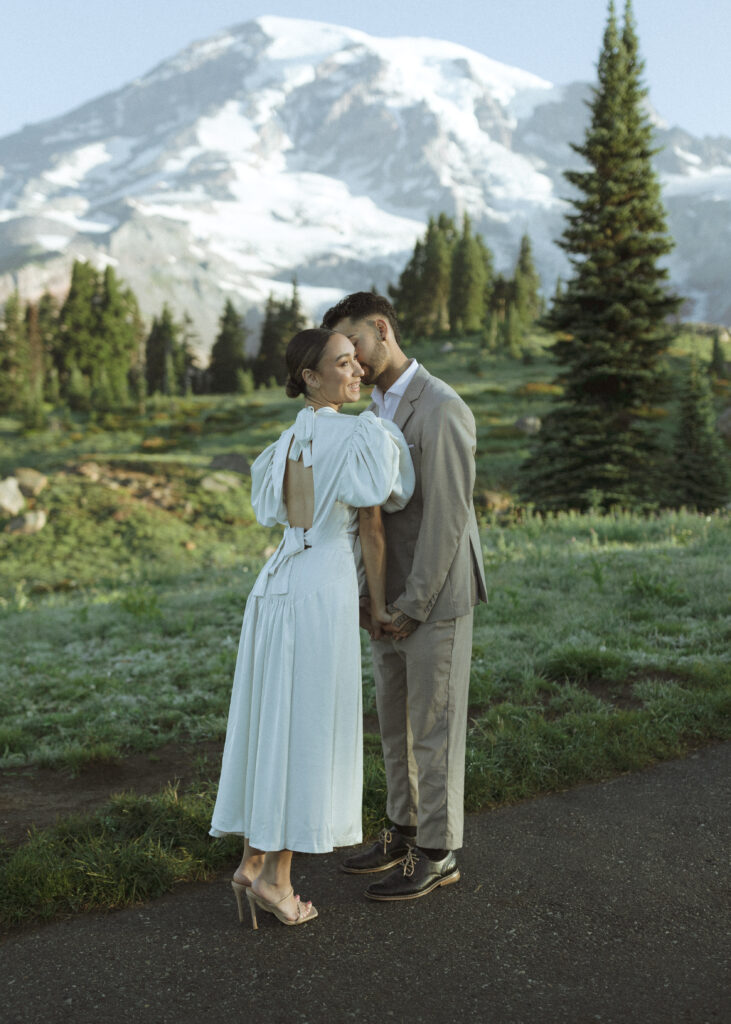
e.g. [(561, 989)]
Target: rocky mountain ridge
[(283, 148)]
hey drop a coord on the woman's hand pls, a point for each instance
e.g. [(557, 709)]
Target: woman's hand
[(379, 618)]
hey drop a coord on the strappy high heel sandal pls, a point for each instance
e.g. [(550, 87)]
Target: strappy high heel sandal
[(273, 908), (239, 890)]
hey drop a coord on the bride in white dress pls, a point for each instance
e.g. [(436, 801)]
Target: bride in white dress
[(292, 770)]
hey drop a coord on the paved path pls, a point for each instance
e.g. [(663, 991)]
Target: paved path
[(604, 903)]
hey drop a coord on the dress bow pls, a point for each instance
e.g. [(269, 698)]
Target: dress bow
[(304, 430), (279, 565)]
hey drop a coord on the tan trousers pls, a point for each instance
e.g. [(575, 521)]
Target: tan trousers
[(422, 687)]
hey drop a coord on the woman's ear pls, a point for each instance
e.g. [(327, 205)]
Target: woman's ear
[(310, 378)]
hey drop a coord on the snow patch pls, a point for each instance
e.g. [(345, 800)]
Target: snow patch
[(71, 170), (53, 243)]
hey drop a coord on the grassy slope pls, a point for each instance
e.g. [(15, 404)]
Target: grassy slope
[(603, 648)]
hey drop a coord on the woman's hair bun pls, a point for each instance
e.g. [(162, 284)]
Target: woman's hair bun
[(292, 388), (303, 353)]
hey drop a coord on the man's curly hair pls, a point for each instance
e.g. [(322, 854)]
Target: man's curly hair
[(360, 305)]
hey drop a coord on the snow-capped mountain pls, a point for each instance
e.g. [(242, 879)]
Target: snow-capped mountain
[(284, 147)]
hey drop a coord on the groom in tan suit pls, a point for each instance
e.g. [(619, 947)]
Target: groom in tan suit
[(434, 577)]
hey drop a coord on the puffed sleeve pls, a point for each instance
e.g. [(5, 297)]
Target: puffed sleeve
[(267, 483), (378, 469)]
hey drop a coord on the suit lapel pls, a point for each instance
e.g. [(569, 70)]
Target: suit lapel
[(410, 397)]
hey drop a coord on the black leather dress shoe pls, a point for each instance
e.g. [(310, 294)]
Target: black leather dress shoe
[(390, 849), (415, 877)]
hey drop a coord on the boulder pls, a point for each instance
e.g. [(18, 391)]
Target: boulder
[(495, 501), (528, 424), (723, 425), (232, 461), (11, 497), (220, 483), (30, 481), (29, 522), (90, 470)]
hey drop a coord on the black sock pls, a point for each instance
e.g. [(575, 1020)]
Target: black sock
[(406, 830), (434, 854)]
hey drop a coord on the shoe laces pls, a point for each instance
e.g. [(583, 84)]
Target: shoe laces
[(385, 836), (410, 861)]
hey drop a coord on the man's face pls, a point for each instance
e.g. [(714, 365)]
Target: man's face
[(371, 350)]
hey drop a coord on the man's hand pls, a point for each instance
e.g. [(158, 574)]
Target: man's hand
[(401, 624)]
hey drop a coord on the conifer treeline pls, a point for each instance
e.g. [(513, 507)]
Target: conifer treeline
[(92, 351), (449, 287)]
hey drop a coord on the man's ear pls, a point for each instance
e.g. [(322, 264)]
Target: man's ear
[(381, 327)]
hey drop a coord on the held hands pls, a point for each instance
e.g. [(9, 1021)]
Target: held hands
[(388, 621), (401, 624)]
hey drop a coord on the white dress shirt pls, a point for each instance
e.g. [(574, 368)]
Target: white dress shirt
[(387, 403)]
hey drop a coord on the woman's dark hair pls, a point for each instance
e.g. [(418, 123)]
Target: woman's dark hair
[(304, 353)]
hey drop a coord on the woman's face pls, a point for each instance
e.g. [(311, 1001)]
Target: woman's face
[(337, 377)]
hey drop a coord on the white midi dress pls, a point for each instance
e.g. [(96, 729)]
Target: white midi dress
[(292, 769)]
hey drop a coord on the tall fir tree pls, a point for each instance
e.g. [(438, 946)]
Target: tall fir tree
[(421, 297), (468, 284), (228, 355), (48, 314), (431, 315), (14, 356), (36, 370), (282, 320), (120, 334), (159, 349), (701, 472), (188, 373), (717, 367), (526, 286), (78, 339), (612, 317), (407, 294)]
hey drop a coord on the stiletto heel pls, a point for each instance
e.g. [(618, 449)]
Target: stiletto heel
[(252, 907), (239, 891), (273, 908)]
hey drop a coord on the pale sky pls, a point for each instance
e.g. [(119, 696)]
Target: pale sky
[(57, 54)]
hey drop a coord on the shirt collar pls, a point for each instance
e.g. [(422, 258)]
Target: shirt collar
[(398, 387)]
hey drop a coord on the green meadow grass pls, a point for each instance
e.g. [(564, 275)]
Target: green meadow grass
[(604, 646)]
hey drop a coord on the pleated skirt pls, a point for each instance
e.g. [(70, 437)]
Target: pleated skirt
[(292, 769)]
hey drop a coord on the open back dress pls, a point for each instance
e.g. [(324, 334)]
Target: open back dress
[(292, 770)]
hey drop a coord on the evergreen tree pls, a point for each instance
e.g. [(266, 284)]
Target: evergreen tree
[(119, 332), (501, 296), (282, 320), (14, 356), (33, 398), (469, 283), (431, 315), (228, 355), (159, 348), (512, 331), (406, 295), (421, 297), (702, 478), (78, 337), (526, 286), (48, 314), (611, 319), (188, 374), (718, 360)]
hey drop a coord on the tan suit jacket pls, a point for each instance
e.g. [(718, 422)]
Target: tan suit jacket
[(434, 556)]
